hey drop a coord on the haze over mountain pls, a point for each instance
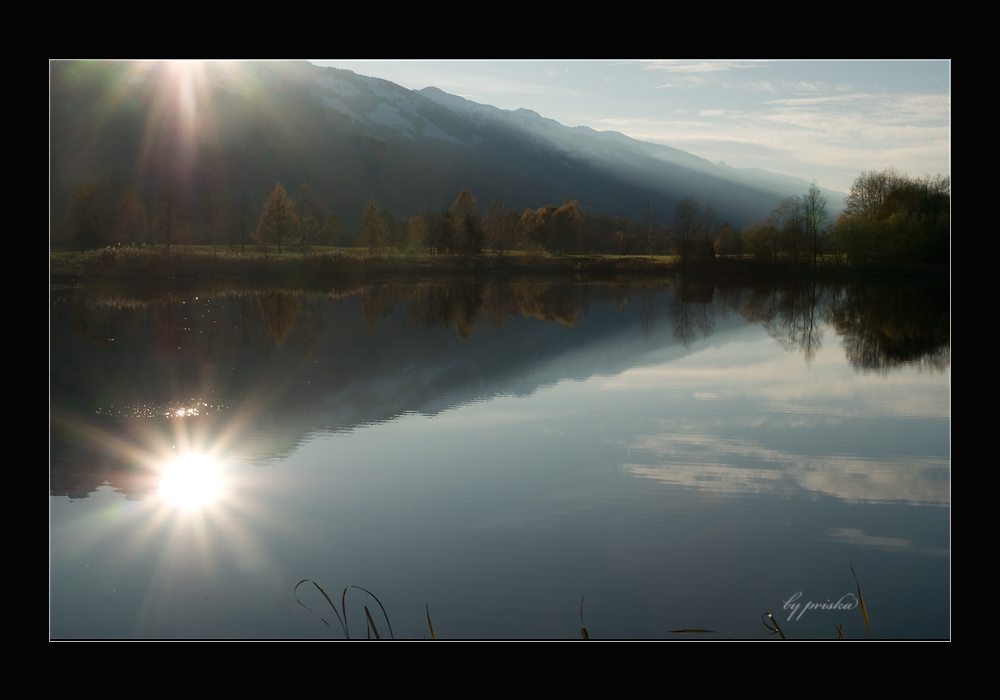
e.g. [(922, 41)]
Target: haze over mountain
[(249, 125)]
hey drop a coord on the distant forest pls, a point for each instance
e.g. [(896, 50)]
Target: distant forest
[(890, 218)]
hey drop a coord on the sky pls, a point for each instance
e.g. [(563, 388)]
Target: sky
[(827, 121)]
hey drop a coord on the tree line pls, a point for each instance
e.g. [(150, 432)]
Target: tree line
[(891, 217), (794, 232), (466, 228), (888, 218), (169, 216)]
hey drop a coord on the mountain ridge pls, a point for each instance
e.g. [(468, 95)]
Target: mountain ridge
[(352, 137)]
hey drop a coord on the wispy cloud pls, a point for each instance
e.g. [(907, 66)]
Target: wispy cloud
[(799, 134), (695, 67), (714, 463), (858, 538)]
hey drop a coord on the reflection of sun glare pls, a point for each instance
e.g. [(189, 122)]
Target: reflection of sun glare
[(180, 487), (191, 482)]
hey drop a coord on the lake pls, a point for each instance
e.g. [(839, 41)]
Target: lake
[(516, 458)]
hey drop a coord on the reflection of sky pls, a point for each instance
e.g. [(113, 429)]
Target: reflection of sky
[(762, 475), (746, 489), (740, 418)]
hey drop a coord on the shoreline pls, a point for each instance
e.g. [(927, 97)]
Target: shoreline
[(131, 264)]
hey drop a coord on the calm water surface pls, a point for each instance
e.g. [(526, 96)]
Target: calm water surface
[(674, 455)]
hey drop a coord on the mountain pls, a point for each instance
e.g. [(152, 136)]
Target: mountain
[(350, 137)]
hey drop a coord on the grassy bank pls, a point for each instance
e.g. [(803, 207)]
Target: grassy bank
[(769, 621), (181, 261), (318, 263)]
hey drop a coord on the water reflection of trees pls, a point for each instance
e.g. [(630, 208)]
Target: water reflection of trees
[(792, 313), (462, 305), (279, 311), (238, 346), (692, 311), (887, 326), (883, 325)]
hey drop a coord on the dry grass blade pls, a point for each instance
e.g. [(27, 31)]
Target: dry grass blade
[(864, 609), (334, 607), (583, 630), (699, 632), (371, 624), (768, 616), (386, 616), (429, 621), (343, 606), (840, 632), (693, 632)]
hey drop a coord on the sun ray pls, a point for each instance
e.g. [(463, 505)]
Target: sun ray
[(180, 97)]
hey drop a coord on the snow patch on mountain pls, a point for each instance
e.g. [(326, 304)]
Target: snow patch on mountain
[(391, 116), (342, 87), (433, 131), (338, 105)]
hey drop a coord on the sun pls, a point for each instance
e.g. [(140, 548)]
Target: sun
[(191, 481)]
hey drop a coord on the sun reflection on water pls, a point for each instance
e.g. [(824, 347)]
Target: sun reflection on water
[(191, 481)]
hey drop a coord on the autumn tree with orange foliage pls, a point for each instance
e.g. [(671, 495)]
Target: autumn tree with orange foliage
[(279, 223)]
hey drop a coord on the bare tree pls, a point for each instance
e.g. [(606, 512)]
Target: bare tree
[(788, 220), (869, 193), (685, 224), (691, 223), (648, 222), (814, 213)]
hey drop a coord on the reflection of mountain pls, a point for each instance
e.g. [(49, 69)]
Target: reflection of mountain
[(285, 365), (288, 364)]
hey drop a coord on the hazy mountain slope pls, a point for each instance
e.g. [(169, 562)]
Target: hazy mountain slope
[(249, 125)]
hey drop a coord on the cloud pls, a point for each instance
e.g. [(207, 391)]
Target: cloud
[(716, 464), (696, 67), (859, 538)]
